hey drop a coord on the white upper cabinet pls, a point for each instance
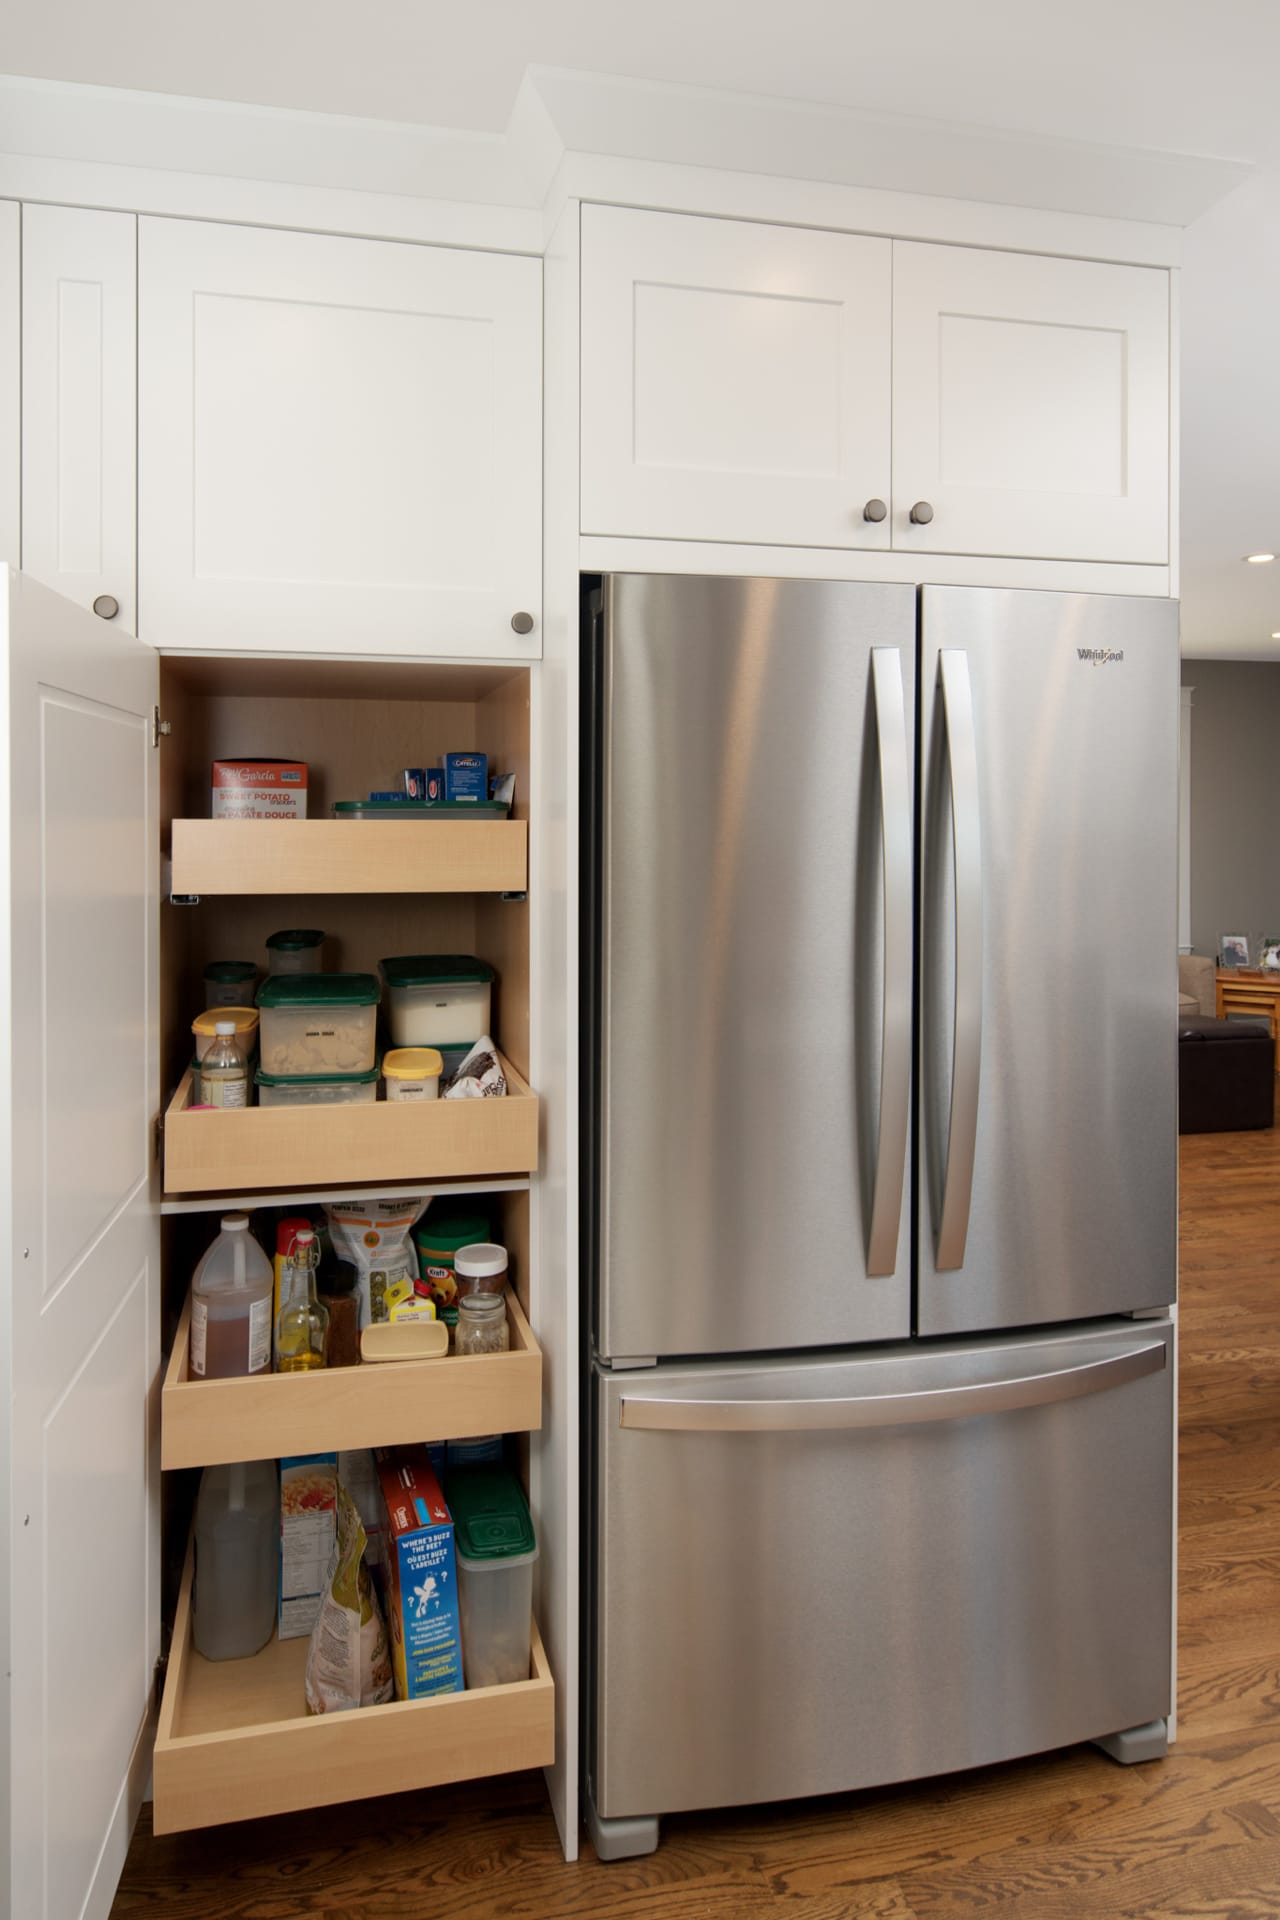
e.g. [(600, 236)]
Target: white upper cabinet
[(340, 444), (1030, 405), (735, 380), (10, 381), (79, 406)]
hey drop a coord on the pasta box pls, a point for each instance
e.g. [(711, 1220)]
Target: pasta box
[(308, 1529), (259, 790), (421, 1587)]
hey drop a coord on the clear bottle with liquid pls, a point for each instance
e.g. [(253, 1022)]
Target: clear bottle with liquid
[(224, 1071), (237, 1548), (231, 1298), (303, 1323)]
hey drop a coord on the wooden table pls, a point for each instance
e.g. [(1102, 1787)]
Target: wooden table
[(1247, 990)]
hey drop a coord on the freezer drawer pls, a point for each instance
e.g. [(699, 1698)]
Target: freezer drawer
[(817, 1575)]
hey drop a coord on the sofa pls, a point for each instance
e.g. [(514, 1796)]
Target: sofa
[(1197, 985)]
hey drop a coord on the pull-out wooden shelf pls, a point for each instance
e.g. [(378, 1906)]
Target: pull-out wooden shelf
[(235, 1740), (214, 1152), (206, 1422), (350, 856)]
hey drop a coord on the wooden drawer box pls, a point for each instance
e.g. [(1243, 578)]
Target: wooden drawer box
[(344, 856)]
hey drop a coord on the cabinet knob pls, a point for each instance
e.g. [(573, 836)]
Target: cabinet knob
[(921, 513), (522, 623), (106, 606), (875, 510)]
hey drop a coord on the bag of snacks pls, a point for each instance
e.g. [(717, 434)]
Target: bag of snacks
[(348, 1661), (479, 1076), (372, 1236)]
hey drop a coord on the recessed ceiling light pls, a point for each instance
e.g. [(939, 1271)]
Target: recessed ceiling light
[(1259, 559)]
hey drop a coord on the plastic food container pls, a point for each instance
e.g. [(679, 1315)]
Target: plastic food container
[(295, 950), (481, 1267), (438, 998), (318, 1023), (245, 1020), (420, 810), (229, 983), (316, 1089), (495, 1546), (412, 1073)]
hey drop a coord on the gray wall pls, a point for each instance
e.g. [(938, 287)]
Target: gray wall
[(1235, 799)]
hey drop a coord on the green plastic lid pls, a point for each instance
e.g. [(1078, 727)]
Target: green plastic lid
[(320, 990), (264, 1079), (229, 973), (445, 1232), (420, 809), (436, 970), (295, 940), (490, 1515)]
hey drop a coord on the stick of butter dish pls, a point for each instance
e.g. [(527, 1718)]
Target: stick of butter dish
[(414, 1339)]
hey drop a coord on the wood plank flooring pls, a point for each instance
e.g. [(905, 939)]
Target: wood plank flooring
[(1066, 1837)]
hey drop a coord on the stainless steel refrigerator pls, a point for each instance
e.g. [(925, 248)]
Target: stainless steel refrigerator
[(880, 1125)]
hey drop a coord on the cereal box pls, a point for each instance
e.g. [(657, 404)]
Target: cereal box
[(308, 1530), (420, 1582), (259, 790)]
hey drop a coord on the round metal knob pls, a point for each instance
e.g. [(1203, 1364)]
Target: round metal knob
[(875, 510), (522, 623), (921, 513), (106, 606)]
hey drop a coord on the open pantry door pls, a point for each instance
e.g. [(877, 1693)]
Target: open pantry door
[(79, 1262)]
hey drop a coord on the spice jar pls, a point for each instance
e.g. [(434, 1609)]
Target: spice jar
[(482, 1324), (481, 1268)]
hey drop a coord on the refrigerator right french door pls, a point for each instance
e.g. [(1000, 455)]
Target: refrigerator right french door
[(1048, 931)]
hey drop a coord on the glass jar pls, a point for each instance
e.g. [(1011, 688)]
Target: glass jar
[(482, 1324), (481, 1268)]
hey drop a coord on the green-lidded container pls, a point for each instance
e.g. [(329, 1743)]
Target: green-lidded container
[(420, 810), (316, 1089), (318, 1023), (438, 1240), (438, 999), (496, 1547), (229, 983), (295, 950)]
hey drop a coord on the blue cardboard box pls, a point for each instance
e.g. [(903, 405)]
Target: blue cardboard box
[(421, 1578), (466, 776)]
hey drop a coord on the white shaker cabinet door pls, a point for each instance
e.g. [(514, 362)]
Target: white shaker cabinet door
[(340, 444), (735, 380), (79, 1255), (1030, 406), (79, 405), (10, 381)]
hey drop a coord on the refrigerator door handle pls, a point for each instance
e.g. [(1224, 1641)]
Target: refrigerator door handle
[(966, 827), (892, 1409), (895, 1033)]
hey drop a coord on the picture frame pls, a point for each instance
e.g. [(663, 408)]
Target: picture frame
[(1234, 949), (1269, 953)]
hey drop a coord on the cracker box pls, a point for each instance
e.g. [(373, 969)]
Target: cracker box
[(259, 790), (421, 1588), (308, 1530)]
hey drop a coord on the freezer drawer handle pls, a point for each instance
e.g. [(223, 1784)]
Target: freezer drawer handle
[(895, 1037), (892, 1409), (966, 1059)]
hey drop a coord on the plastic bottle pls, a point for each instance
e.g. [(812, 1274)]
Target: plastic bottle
[(224, 1071), (237, 1547), (303, 1322), (231, 1305)]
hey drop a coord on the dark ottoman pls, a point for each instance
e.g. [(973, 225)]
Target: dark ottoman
[(1226, 1075)]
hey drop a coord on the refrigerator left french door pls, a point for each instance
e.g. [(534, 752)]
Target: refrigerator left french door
[(753, 896)]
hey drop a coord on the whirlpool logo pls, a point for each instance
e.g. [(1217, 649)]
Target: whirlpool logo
[(1100, 656)]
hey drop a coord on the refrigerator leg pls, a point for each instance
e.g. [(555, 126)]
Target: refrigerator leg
[(1135, 1744), (623, 1839)]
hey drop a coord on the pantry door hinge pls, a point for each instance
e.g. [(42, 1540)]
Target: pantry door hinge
[(159, 727)]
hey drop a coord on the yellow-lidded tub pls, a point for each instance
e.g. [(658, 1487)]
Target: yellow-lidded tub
[(204, 1027), (412, 1073)]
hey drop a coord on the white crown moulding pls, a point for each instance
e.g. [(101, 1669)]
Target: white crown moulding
[(558, 112)]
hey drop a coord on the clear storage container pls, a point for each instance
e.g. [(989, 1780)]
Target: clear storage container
[(412, 1073), (237, 1554), (420, 810), (229, 983), (295, 950), (318, 1023), (244, 1020), (494, 1541), (437, 999), (316, 1089)]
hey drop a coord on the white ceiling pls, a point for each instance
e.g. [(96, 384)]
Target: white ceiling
[(1171, 77)]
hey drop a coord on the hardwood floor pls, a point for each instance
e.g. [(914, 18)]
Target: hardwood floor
[(1067, 1837)]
